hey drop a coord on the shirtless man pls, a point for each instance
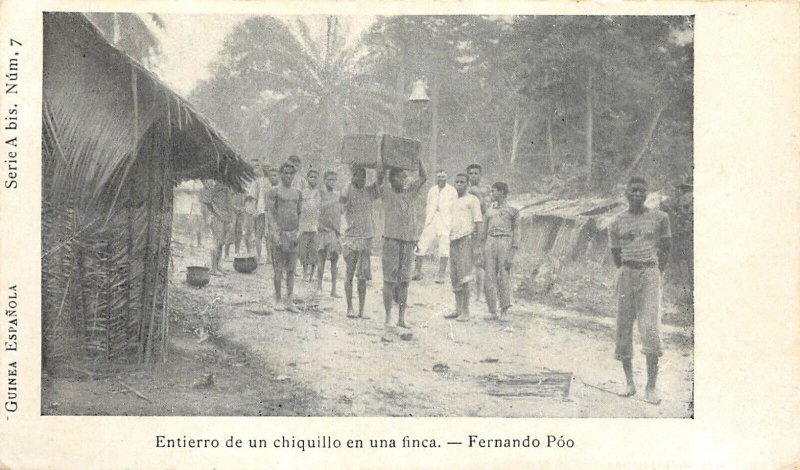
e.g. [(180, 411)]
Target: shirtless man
[(285, 204)]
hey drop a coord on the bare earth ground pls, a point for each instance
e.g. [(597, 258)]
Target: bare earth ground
[(318, 362)]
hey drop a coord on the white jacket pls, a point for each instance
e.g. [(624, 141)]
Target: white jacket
[(438, 204)]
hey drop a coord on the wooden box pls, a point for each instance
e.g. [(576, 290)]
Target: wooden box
[(361, 149), (400, 152)]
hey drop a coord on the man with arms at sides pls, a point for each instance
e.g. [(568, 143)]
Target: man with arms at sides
[(330, 219), (640, 241), (309, 223), (258, 191), (297, 183), (216, 197), (481, 191), (500, 239), (437, 226), (465, 224), (285, 204), (399, 237), (358, 202)]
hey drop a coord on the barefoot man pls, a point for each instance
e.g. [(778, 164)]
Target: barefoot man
[(216, 197), (481, 191), (285, 203), (330, 219), (399, 237), (465, 222), (358, 202), (500, 235), (309, 223), (640, 241)]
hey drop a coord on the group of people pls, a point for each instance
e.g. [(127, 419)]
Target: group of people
[(474, 230), (301, 220)]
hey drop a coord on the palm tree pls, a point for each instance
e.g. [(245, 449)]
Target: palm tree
[(131, 33), (300, 94)]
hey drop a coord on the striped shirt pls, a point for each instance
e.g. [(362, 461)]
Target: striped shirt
[(309, 213), (638, 235), (358, 210)]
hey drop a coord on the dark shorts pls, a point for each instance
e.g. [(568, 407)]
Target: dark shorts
[(307, 248), (357, 253), (221, 230), (282, 260), (461, 262), (328, 242), (398, 258)]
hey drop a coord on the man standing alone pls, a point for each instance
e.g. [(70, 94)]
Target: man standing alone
[(640, 241), (437, 226)]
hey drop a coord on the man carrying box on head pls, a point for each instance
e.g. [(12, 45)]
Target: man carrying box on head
[(358, 201), (399, 236)]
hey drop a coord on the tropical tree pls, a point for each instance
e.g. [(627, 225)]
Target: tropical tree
[(280, 90), (131, 33)]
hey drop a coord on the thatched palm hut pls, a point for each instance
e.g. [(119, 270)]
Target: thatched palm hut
[(116, 141)]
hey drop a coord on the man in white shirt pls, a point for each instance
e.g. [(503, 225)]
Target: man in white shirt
[(437, 226), (465, 224)]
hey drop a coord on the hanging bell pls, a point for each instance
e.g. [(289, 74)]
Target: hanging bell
[(418, 93)]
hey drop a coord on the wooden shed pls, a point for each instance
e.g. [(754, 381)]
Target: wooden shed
[(115, 143)]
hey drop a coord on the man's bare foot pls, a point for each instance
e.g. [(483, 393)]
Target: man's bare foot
[(416, 277), (350, 314), (450, 316), (335, 295), (362, 316), (290, 307), (216, 273), (630, 391), (651, 396), (403, 325), (463, 318)]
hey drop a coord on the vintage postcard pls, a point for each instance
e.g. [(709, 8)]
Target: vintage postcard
[(399, 235)]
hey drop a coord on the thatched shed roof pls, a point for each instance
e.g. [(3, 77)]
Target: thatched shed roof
[(98, 106)]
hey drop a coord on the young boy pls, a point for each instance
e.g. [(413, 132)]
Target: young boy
[(640, 241), (399, 237), (216, 198), (481, 191), (358, 202), (330, 217), (500, 237), (285, 204), (465, 223), (309, 223)]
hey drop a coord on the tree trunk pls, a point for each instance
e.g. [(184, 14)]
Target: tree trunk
[(519, 129), (589, 128), (651, 129), (434, 136), (115, 28), (550, 157), (499, 145)]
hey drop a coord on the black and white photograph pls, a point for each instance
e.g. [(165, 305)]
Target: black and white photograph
[(367, 216)]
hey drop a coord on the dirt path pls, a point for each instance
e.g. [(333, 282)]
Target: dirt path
[(446, 369)]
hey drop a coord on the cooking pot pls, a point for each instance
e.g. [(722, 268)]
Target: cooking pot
[(197, 276)]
